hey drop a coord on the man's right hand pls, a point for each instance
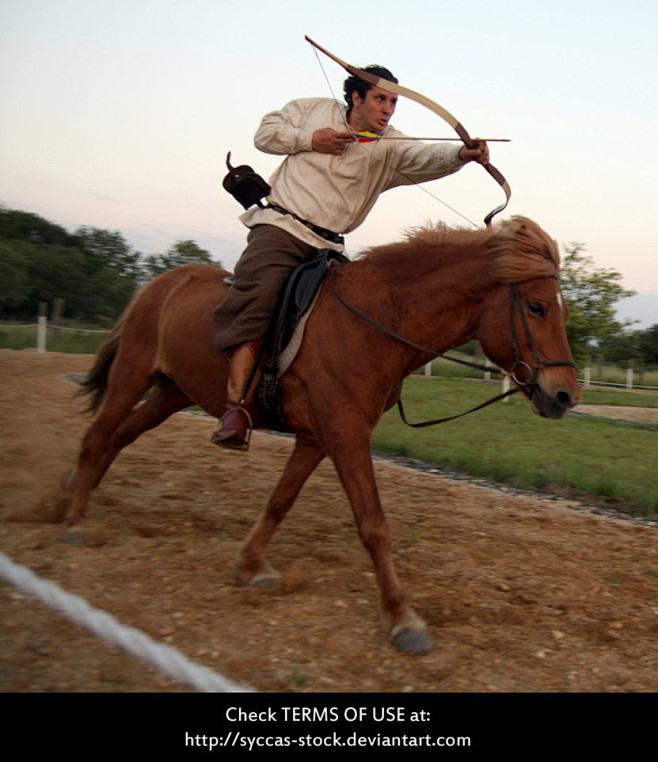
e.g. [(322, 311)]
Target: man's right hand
[(328, 140)]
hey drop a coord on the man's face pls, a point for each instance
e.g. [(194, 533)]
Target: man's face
[(373, 112)]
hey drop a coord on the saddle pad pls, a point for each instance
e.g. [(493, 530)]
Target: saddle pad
[(290, 352)]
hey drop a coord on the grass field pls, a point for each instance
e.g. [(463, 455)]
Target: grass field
[(604, 374), (73, 338), (592, 459)]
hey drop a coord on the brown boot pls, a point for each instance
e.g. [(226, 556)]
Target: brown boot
[(235, 425)]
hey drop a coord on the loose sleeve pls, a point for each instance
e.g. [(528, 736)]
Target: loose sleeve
[(417, 162), (286, 132)]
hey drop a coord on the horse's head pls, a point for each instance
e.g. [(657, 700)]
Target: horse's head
[(522, 325)]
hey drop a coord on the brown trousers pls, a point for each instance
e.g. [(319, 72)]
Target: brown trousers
[(246, 312)]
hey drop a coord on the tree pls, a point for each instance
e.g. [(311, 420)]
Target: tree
[(181, 253), (94, 271), (113, 272), (25, 226), (14, 278), (648, 344), (639, 346), (591, 294), (108, 248)]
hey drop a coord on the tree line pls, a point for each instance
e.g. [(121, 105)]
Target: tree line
[(96, 272), (593, 330)]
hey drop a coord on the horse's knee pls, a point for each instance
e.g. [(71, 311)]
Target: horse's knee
[(376, 538)]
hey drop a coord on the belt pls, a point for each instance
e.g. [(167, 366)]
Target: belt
[(328, 235)]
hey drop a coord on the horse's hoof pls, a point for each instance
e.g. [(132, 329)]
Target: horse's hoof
[(411, 641), (66, 482), (75, 536), (264, 580)]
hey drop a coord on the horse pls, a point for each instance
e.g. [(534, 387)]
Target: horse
[(432, 290)]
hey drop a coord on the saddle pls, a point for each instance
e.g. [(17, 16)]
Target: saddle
[(295, 301)]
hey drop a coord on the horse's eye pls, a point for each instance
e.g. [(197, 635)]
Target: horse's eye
[(536, 309)]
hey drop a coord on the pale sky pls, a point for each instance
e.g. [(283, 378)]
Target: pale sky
[(119, 114)]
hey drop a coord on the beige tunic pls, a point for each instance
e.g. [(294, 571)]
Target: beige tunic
[(332, 192), (337, 192)]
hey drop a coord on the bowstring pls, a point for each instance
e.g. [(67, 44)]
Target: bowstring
[(410, 180)]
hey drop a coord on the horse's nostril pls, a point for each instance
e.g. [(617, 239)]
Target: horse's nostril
[(564, 399)]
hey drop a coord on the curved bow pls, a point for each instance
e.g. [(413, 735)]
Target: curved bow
[(459, 128)]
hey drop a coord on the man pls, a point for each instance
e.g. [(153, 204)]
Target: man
[(325, 188)]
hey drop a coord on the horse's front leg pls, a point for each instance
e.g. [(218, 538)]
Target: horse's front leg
[(353, 462), (253, 568)]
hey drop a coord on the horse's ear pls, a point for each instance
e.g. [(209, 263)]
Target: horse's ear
[(520, 226), (513, 228)]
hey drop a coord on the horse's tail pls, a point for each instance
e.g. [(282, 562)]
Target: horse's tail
[(95, 382)]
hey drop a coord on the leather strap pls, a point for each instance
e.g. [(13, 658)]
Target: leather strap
[(328, 235)]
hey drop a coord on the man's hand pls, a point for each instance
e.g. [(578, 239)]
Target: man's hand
[(480, 153), (327, 140)]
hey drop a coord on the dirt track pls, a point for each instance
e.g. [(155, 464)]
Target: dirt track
[(521, 593)]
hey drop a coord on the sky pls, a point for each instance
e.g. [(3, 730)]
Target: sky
[(119, 115)]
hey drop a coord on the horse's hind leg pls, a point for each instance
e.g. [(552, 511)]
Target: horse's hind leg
[(113, 430), (253, 568)]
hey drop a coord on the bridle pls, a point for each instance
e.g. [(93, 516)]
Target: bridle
[(515, 303)]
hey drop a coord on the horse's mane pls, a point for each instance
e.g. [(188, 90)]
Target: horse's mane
[(515, 250)]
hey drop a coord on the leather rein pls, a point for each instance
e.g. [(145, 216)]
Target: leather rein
[(515, 303)]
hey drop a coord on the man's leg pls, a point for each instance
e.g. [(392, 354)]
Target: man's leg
[(243, 318), (235, 425)]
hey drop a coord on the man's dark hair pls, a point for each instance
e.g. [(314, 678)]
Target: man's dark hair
[(361, 86)]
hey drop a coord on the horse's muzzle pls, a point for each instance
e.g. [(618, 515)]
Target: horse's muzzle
[(553, 403)]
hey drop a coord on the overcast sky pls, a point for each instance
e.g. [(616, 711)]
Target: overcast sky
[(119, 114)]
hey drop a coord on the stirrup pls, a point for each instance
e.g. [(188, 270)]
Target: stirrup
[(234, 429)]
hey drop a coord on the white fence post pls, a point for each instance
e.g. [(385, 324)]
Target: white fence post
[(42, 327), (506, 385)]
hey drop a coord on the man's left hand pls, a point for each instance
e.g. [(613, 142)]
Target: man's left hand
[(480, 153)]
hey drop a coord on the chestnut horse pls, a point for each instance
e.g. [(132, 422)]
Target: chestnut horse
[(437, 289)]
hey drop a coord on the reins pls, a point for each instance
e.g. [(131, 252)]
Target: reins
[(515, 301), (401, 339)]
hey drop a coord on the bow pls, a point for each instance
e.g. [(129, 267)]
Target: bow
[(459, 128)]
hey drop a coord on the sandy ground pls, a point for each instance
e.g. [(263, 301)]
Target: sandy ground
[(521, 593), (621, 413)]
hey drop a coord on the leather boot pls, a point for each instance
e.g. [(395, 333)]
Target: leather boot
[(234, 431)]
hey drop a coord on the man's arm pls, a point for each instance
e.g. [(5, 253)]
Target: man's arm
[(292, 130)]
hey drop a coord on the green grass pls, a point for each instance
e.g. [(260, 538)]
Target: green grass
[(606, 374), (591, 459), (69, 341), (624, 399)]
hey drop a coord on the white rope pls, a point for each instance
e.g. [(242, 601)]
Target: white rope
[(167, 659), (622, 387), (58, 328), (78, 330)]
